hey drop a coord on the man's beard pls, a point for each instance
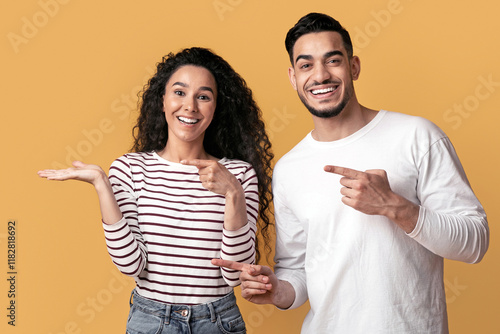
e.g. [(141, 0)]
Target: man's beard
[(327, 113)]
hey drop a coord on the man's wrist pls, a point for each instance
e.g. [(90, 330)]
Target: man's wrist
[(284, 296), (404, 213)]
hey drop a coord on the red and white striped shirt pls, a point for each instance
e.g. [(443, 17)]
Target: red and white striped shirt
[(172, 227)]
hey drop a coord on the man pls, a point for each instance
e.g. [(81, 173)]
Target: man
[(367, 205)]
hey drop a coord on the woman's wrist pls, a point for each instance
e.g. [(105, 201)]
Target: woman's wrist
[(235, 191), (101, 183), (236, 210)]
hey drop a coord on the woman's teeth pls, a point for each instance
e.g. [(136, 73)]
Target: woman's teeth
[(188, 120)]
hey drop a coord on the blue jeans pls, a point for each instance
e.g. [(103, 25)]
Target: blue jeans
[(150, 317)]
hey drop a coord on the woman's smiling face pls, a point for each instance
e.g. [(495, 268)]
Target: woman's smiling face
[(189, 103)]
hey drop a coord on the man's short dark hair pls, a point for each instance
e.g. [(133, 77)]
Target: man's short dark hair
[(316, 22)]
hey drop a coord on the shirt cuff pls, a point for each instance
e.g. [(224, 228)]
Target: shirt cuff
[(115, 226), (419, 225), (236, 233), (298, 286)]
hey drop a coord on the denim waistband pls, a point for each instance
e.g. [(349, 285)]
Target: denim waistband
[(185, 312)]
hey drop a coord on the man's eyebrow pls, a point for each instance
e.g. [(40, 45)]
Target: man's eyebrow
[(333, 53), (306, 57), (326, 55)]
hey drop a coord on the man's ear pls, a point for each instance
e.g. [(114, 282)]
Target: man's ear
[(355, 67), (291, 77)]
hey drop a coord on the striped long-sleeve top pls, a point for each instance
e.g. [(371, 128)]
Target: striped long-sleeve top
[(172, 227)]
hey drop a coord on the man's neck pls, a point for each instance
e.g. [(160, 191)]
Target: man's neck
[(351, 119)]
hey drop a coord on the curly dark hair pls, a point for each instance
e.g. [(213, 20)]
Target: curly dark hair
[(236, 131)]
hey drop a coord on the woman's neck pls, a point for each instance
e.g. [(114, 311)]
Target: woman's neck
[(175, 152)]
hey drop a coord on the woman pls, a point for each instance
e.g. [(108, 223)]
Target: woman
[(194, 189)]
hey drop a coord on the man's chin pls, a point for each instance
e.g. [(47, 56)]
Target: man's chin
[(324, 113)]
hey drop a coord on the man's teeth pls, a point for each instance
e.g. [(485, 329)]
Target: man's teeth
[(188, 120), (322, 91)]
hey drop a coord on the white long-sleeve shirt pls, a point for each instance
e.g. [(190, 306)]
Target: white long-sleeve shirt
[(362, 273), (172, 227)]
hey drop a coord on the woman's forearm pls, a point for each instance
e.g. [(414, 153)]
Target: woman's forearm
[(235, 213), (110, 211)]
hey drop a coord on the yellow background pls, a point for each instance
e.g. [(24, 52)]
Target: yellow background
[(70, 73)]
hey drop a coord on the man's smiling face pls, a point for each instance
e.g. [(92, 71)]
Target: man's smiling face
[(322, 73)]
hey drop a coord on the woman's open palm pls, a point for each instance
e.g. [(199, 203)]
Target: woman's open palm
[(80, 172)]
